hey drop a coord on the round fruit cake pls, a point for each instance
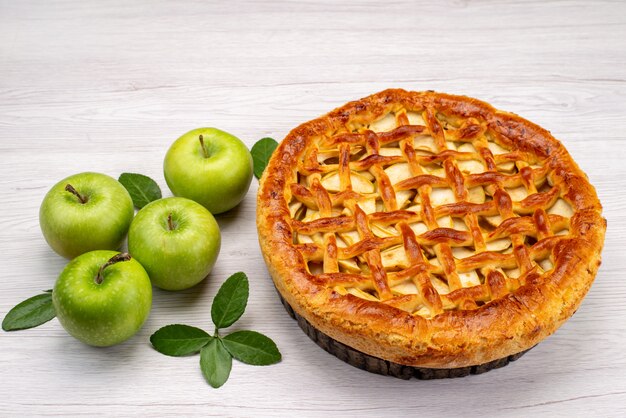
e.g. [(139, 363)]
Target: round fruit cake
[(428, 235)]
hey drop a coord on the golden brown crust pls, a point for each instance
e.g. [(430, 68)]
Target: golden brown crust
[(509, 322)]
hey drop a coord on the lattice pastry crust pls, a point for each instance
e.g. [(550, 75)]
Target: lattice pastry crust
[(429, 230)]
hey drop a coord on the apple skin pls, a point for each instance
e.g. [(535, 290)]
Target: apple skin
[(107, 313), (178, 258), (218, 182), (72, 228)]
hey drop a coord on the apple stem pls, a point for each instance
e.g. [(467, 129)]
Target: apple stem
[(170, 222), (115, 259), (72, 190), (204, 151)]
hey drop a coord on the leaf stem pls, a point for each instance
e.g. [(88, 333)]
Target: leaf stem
[(115, 259), (72, 190), (204, 151)]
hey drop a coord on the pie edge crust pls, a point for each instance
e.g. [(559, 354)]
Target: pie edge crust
[(453, 338)]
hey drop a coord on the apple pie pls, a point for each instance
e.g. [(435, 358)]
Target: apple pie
[(428, 235)]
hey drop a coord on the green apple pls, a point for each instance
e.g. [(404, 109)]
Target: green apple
[(102, 297), (176, 240), (209, 166), (85, 212)]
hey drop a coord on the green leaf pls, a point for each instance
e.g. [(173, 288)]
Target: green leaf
[(261, 153), (215, 363), (142, 189), (230, 301), (179, 340), (252, 347), (30, 313)]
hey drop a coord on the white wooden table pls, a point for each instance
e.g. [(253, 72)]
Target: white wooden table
[(108, 85)]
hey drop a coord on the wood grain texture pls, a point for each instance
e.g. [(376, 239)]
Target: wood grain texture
[(107, 86)]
